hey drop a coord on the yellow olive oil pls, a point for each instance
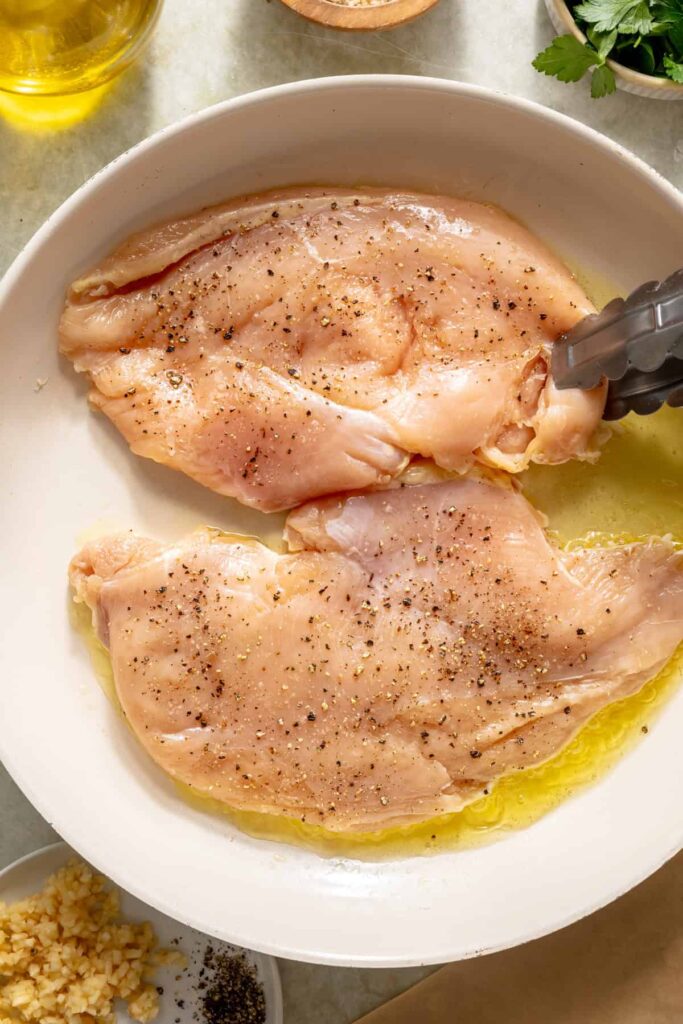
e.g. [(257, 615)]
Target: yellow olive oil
[(516, 801), (635, 487), (53, 47), (81, 619)]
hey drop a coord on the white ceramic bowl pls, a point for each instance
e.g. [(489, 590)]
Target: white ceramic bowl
[(64, 468), (650, 86)]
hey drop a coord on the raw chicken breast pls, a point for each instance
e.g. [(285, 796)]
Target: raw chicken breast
[(415, 644), (310, 341)]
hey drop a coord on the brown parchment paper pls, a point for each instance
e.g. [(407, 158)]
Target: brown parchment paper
[(622, 965)]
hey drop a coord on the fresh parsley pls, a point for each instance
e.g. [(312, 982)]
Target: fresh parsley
[(646, 35), (674, 70), (606, 15), (567, 59), (602, 82)]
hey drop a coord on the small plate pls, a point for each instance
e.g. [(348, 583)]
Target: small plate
[(179, 1001)]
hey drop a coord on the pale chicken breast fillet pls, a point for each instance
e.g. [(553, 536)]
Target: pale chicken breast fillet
[(310, 341), (415, 644)]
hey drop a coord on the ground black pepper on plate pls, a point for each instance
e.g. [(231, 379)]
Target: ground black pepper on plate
[(231, 992)]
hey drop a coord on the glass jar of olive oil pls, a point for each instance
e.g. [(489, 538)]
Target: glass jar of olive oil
[(53, 47)]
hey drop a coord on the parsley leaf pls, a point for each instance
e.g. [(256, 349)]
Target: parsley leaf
[(602, 82), (673, 69), (639, 22), (566, 58), (675, 36), (669, 11), (609, 14), (645, 35), (602, 41), (645, 57)]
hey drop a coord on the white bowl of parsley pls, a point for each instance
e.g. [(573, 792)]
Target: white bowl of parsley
[(636, 45)]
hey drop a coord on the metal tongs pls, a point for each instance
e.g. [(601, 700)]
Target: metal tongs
[(637, 343)]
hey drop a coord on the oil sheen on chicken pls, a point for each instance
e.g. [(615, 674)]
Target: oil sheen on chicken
[(413, 646), (307, 342)]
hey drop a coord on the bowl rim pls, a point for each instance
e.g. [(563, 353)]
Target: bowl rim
[(391, 83), (639, 78), (305, 85)]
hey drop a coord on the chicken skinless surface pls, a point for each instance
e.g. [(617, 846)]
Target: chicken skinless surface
[(309, 341), (416, 644)]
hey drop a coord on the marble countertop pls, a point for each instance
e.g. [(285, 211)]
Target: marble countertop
[(207, 51)]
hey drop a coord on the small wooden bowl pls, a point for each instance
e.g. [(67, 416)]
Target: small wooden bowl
[(384, 15)]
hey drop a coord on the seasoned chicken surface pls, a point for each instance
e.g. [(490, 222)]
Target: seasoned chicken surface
[(311, 341), (415, 644)]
